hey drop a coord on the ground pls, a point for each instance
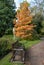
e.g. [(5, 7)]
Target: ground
[(36, 54), (27, 44)]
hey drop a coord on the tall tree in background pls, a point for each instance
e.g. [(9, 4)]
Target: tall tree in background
[(7, 13), (24, 27), (38, 6), (38, 11)]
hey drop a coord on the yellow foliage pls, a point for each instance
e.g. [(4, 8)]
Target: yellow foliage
[(24, 22)]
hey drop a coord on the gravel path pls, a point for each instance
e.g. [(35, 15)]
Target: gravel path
[(35, 55)]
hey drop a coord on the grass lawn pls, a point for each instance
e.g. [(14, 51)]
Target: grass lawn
[(28, 44), (5, 61)]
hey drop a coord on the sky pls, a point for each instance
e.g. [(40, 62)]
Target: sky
[(19, 1)]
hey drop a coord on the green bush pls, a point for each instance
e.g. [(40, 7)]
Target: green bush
[(3, 47), (5, 44)]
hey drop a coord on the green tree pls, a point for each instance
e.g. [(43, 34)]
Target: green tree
[(37, 20), (7, 13), (38, 11), (42, 30), (38, 6)]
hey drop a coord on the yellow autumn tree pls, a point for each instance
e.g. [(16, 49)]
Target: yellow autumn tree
[(24, 27)]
